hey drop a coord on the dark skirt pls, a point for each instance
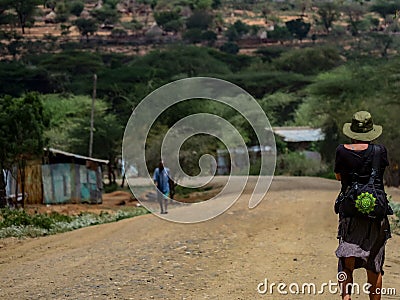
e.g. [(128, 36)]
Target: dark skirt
[(364, 239)]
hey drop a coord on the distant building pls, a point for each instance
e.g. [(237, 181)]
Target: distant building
[(299, 138), (235, 161), (59, 177)]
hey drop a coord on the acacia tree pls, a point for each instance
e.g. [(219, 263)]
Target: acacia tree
[(25, 10), (387, 7), (328, 13), (169, 21), (355, 13), (298, 28), (86, 27), (22, 123)]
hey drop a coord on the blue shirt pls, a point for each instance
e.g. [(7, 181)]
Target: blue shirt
[(162, 179)]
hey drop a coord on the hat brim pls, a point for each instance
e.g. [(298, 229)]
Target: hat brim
[(365, 136)]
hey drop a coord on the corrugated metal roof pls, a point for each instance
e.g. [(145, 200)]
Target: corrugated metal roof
[(56, 151), (299, 134)]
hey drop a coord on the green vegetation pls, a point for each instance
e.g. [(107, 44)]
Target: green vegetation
[(323, 61), (22, 122), (18, 223), (396, 220), (296, 164), (185, 191)]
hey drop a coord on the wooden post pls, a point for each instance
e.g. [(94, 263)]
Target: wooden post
[(92, 116)]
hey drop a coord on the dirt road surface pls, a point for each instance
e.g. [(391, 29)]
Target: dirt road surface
[(289, 238)]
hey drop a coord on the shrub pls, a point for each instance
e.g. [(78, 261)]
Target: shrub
[(76, 7), (118, 33), (296, 164), (18, 223), (109, 188), (308, 61), (229, 47)]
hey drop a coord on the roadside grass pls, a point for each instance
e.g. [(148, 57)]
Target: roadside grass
[(395, 220), (18, 223)]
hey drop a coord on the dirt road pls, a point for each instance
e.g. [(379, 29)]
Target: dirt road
[(289, 238)]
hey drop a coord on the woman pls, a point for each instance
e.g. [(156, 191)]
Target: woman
[(362, 240)]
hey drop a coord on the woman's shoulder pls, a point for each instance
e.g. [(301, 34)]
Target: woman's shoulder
[(382, 150), (382, 147), (340, 148)]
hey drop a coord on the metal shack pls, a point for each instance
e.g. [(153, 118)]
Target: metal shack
[(299, 138), (71, 178), (58, 177)]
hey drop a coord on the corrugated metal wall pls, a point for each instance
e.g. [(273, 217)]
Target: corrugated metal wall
[(58, 183), (70, 183)]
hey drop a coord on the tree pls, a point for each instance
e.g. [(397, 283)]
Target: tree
[(169, 21), (49, 4), (69, 126), (22, 122), (355, 13), (336, 95), (86, 27), (237, 30), (216, 4), (76, 7), (384, 8), (328, 13), (280, 108), (381, 42), (230, 47), (106, 15), (62, 12), (4, 6), (308, 61), (298, 28), (280, 33), (25, 10), (209, 36), (193, 35), (200, 19), (111, 3)]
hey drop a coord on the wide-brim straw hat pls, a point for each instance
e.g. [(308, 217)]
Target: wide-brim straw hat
[(362, 128)]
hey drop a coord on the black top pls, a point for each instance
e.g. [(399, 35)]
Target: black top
[(350, 161)]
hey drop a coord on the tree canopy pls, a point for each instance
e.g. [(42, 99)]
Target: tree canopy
[(22, 123)]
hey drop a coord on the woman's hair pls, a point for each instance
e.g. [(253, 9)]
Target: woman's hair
[(353, 141)]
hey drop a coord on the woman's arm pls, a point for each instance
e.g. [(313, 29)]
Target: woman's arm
[(338, 177)]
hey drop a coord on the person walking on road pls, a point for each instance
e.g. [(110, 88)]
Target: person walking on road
[(362, 239), (161, 180)]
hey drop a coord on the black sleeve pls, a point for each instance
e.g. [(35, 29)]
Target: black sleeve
[(338, 162), (384, 158)]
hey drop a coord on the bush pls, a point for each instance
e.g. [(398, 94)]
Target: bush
[(76, 7), (109, 188), (229, 47), (200, 19), (18, 223), (308, 61), (118, 33), (396, 210), (132, 25), (193, 35), (169, 20), (296, 164)]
